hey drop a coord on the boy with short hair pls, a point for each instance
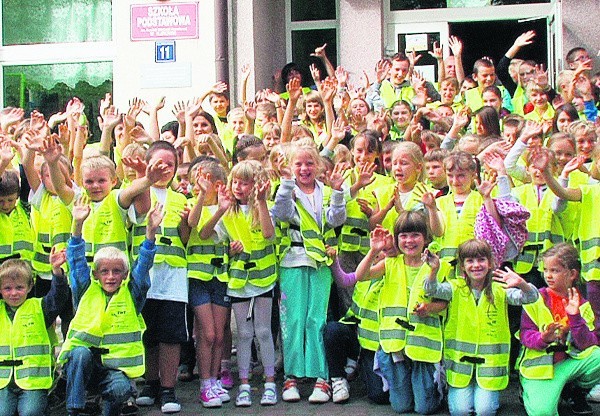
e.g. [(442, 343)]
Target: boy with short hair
[(16, 236), (434, 169), (484, 73), (104, 343), (27, 336)]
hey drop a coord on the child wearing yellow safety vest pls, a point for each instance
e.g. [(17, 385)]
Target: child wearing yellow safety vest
[(208, 261), (103, 348), (165, 308), (27, 336), (410, 328), (17, 236), (476, 332), (242, 216), (312, 210), (560, 338)]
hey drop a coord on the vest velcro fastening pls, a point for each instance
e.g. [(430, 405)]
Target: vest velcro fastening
[(11, 363), (404, 324)]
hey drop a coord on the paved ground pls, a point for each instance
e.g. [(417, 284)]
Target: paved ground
[(357, 406)]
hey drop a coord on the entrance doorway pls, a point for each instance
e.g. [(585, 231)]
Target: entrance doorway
[(494, 38)]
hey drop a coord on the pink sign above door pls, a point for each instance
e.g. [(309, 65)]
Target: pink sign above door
[(164, 21)]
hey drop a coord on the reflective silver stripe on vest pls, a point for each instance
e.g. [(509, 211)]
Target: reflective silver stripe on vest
[(586, 267), (447, 252), (61, 238), (311, 234), (494, 349), (216, 249), (85, 337), (168, 231), (355, 240), (394, 311), (6, 249), (4, 349), (44, 238), (592, 242), (526, 257), (543, 360), (459, 368), (357, 222), (5, 372), (392, 333), (466, 347), (370, 335), (169, 250), (432, 321), (419, 341), (23, 245), (123, 362), (122, 338), (256, 254), (42, 258), (206, 268), (491, 371), (368, 314), (121, 245), (32, 350), (33, 372), (316, 250), (252, 274)]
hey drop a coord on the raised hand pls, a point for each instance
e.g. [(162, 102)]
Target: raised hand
[(250, 110), (495, 161), (51, 149), (263, 190), (365, 174), (156, 170), (319, 52), (225, 198), (219, 88), (551, 333), (246, 72), (437, 52), (524, 39), (155, 217), (573, 164), (315, 73), (341, 75), (431, 259), (338, 130), (485, 187), (139, 135), (327, 89), (542, 159), (456, 45), (509, 278), (235, 247), (364, 206), (379, 239), (58, 257), (135, 107), (136, 164), (294, 89), (572, 303), (179, 112), (81, 209), (382, 69), (192, 108), (336, 179), (413, 57), (6, 152)]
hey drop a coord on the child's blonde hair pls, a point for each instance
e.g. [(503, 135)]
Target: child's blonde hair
[(582, 127), (16, 269), (532, 87), (248, 170), (235, 112), (134, 150), (341, 154), (111, 253), (98, 162), (414, 153)]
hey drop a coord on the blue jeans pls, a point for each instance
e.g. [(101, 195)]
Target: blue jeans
[(372, 381), (84, 369), (411, 383), (471, 399), (26, 402)]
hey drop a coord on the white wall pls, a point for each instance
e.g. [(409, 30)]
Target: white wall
[(135, 60)]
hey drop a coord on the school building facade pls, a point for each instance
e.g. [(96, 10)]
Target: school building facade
[(52, 49)]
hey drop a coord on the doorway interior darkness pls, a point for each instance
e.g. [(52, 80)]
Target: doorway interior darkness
[(494, 38)]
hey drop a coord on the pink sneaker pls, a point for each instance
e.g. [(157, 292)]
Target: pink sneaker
[(209, 398), (226, 378)]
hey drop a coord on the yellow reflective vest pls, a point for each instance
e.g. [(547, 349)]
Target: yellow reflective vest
[(390, 95), (385, 193), (105, 227), (169, 247), (589, 232), (477, 338), (111, 326), (16, 235), (539, 365), (257, 264), (355, 231), (206, 258), (543, 226), (399, 327), (26, 354), (367, 307)]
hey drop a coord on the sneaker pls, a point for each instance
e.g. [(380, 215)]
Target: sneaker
[(221, 392), (269, 397), (129, 408), (351, 370), (168, 401), (594, 394), (321, 393), (290, 391), (341, 390), (226, 378), (244, 398), (149, 394), (209, 398), (578, 404)]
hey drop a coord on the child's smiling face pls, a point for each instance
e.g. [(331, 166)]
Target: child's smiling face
[(14, 290)]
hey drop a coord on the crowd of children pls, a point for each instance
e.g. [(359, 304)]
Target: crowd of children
[(433, 238)]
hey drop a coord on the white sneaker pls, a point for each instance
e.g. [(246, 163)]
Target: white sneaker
[(290, 391), (321, 393), (341, 390), (221, 392), (594, 394), (244, 398), (269, 397)]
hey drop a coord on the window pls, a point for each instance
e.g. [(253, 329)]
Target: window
[(437, 4)]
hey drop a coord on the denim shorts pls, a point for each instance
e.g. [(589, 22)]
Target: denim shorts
[(212, 291)]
